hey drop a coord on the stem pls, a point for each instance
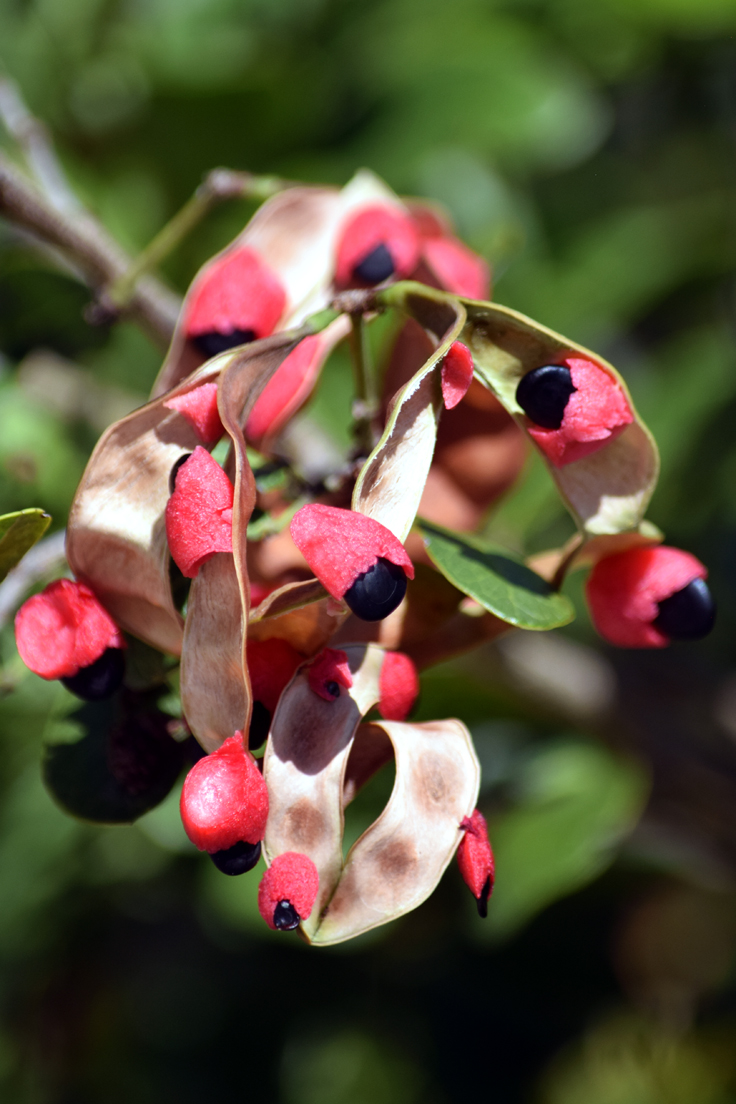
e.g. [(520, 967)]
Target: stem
[(365, 404), (217, 186)]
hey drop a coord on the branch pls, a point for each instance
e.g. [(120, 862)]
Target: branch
[(38, 149)]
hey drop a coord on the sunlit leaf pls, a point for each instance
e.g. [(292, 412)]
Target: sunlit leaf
[(19, 532)]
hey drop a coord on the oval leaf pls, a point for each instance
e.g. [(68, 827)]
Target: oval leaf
[(18, 533), (504, 586)]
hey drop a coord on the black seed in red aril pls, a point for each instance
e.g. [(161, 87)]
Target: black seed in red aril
[(378, 591), (543, 393), (212, 343), (260, 723), (285, 916), (175, 470), (482, 901), (101, 679), (332, 689), (376, 266), (689, 614), (238, 859)]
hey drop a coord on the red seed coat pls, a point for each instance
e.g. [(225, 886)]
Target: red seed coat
[(398, 686), (331, 665), (457, 374), (596, 413), (457, 268), (623, 592), (271, 663), (199, 407), (238, 291), (373, 226), (224, 800), (290, 877), (199, 514), (474, 855), (286, 390), (339, 545), (64, 629)]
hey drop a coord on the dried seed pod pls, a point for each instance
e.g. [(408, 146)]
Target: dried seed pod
[(288, 891), (475, 859), (648, 595), (224, 800), (65, 629)]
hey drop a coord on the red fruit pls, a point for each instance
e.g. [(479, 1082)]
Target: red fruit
[(199, 407), (236, 292), (457, 268), (596, 412), (457, 373), (339, 545), (475, 859), (224, 800), (328, 672), (624, 592), (398, 686), (64, 629), (199, 514), (291, 880), (286, 390), (371, 229), (271, 663)]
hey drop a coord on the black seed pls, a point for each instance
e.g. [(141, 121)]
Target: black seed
[(175, 470), (101, 679), (333, 689), (285, 916), (378, 591), (482, 901), (689, 614), (212, 343), (376, 266), (260, 723), (543, 393), (238, 859)]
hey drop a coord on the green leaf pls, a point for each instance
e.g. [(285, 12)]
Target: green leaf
[(18, 533), (578, 802), (501, 584), (123, 765)]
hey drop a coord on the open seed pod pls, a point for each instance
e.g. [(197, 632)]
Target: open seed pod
[(312, 773)]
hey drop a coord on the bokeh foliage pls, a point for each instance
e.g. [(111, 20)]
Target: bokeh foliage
[(587, 149)]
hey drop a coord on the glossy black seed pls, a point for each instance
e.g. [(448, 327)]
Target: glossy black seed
[(482, 901), (175, 469), (260, 723), (378, 591), (212, 343), (376, 266), (285, 916), (689, 614), (101, 679), (333, 689), (238, 859), (543, 393)]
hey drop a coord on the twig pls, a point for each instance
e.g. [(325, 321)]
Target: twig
[(38, 149)]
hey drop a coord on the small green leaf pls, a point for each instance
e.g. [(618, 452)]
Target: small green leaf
[(18, 533), (501, 584)]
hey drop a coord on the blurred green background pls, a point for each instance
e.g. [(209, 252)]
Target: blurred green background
[(589, 151)]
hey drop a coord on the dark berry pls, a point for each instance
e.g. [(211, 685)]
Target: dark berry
[(174, 470), (101, 679), (688, 614), (543, 393), (376, 266), (238, 859), (285, 916), (482, 901), (212, 343), (260, 724), (378, 591)]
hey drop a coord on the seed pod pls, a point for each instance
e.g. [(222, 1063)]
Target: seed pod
[(649, 595), (63, 630), (236, 299), (377, 243), (199, 407), (199, 513), (224, 800), (354, 557), (475, 859), (398, 687), (288, 891)]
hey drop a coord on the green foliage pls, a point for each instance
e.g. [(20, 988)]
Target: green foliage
[(18, 533)]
